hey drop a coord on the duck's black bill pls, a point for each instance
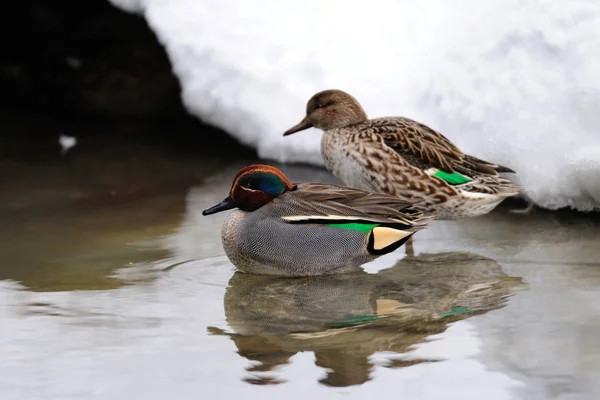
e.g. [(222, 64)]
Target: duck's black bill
[(226, 204), (304, 124)]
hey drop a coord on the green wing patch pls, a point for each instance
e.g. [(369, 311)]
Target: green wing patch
[(454, 178), (457, 310), (354, 226), (354, 320)]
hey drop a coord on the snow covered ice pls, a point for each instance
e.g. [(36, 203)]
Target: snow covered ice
[(513, 81)]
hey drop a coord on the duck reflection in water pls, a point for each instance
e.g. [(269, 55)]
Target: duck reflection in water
[(346, 318)]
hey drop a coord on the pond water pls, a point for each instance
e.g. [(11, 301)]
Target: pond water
[(114, 290)]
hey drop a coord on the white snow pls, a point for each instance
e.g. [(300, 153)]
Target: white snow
[(513, 81)]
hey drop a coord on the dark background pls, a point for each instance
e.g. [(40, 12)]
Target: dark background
[(85, 68)]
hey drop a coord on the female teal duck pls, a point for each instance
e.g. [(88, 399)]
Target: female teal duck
[(280, 228), (399, 156)]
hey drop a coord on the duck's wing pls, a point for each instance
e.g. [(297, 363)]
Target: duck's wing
[(425, 148), (326, 203)]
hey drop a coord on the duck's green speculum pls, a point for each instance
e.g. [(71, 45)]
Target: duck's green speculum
[(456, 310), (454, 178), (354, 226), (354, 320)]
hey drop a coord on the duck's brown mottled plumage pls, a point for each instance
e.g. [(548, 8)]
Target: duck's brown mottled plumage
[(327, 199), (399, 156), (428, 147)]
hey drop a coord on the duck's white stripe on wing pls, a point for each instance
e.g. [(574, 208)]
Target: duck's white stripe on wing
[(321, 217)]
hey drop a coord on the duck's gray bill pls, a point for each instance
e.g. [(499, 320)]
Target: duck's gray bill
[(304, 124), (226, 204)]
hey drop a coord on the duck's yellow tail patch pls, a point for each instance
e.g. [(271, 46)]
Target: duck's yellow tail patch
[(389, 307), (384, 237)]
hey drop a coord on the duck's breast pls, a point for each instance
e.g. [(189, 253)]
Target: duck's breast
[(339, 161)]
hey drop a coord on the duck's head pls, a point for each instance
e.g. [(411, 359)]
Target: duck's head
[(253, 187), (330, 109)]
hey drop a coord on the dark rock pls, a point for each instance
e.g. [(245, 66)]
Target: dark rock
[(84, 58)]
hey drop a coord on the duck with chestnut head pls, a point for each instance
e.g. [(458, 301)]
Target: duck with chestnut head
[(402, 157), (303, 229)]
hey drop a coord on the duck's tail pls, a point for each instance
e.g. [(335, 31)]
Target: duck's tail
[(479, 165), (493, 186)]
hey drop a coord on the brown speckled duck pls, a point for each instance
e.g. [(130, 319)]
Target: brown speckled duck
[(280, 228), (402, 157)]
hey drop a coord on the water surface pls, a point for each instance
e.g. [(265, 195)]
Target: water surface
[(119, 294)]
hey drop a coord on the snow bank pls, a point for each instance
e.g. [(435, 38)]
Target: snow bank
[(512, 81)]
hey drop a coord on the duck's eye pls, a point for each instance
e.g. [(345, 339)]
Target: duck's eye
[(327, 104)]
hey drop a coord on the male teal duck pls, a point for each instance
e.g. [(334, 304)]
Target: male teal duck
[(402, 157), (303, 229)]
